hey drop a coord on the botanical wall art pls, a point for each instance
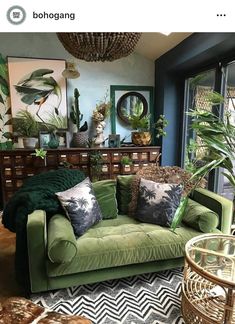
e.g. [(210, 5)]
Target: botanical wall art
[(5, 110), (37, 85)]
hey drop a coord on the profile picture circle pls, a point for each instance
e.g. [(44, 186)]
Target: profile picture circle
[(16, 15)]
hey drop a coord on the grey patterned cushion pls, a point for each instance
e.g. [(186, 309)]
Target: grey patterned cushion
[(81, 206), (157, 202)]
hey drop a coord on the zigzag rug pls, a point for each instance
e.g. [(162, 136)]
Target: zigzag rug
[(144, 299)]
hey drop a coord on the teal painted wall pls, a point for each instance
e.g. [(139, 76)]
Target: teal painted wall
[(95, 77)]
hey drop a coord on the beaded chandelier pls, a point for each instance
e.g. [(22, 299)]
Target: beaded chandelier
[(93, 47)]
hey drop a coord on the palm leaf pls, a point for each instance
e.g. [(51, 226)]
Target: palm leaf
[(230, 177), (204, 170)]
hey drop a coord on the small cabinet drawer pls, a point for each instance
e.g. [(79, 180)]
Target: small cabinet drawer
[(83, 157), (116, 168), (135, 156), (105, 157), (105, 168), (116, 157), (144, 156), (6, 161), (153, 156)]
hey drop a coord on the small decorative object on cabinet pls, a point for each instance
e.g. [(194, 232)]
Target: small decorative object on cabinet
[(114, 140), (80, 138), (44, 139), (100, 113), (18, 164)]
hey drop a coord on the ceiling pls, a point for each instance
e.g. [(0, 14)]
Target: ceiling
[(153, 45)]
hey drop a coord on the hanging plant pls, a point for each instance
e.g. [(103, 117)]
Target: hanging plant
[(5, 110)]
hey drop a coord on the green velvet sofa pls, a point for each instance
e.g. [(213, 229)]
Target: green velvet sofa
[(113, 248)]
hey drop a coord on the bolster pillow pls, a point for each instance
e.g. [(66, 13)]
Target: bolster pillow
[(62, 244), (200, 217)]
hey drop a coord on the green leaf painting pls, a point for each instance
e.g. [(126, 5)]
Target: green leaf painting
[(37, 85), (5, 112)]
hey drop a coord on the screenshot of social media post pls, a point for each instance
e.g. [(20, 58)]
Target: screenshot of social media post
[(117, 162)]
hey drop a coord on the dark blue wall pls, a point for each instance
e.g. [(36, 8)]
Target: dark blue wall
[(197, 52)]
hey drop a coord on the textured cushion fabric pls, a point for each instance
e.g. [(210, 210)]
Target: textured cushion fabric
[(81, 206), (157, 202), (124, 192), (123, 241), (62, 245), (105, 193), (200, 217)]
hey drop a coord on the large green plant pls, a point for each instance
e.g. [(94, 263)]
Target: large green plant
[(143, 123), (5, 110), (136, 122), (218, 137)]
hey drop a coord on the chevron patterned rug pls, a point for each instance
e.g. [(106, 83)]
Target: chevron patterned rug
[(144, 299)]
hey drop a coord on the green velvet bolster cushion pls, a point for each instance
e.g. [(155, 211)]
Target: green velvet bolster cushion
[(200, 217), (105, 192), (62, 244), (124, 192)]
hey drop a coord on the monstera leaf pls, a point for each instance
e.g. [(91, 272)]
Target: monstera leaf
[(34, 88)]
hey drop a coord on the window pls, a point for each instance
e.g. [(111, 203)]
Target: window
[(224, 187), (197, 89)]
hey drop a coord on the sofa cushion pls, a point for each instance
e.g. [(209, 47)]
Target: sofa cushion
[(123, 241), (200, 217), (81, 206), (124, 192), (105, 192), (62, 244), (157, 202)]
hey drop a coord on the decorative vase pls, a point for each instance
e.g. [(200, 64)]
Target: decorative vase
[(54, 142), (141, 138), (80, 139)]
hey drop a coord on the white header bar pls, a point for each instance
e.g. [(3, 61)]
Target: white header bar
[(123, 15)]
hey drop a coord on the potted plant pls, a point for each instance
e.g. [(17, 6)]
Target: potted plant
[(96, 161), (27, 126), (142, 132), (126, 163), (80, 137), (41, 154)]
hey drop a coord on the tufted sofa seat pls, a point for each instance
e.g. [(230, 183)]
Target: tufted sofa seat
[(113, 248), (123, 241)]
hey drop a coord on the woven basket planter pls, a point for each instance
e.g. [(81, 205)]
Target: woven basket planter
[(141, 138), (80, 139)]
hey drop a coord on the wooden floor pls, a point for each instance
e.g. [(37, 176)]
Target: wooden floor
[(8, 284)]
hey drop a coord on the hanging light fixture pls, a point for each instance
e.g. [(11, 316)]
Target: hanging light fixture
[(93, 47), (71, 71)]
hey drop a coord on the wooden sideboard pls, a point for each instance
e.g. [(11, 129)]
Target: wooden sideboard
[(18, 164)]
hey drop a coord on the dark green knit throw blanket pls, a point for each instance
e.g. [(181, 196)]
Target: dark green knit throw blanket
[(37, 192)]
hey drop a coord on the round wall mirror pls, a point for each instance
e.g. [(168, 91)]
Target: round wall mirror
[(128, 103)]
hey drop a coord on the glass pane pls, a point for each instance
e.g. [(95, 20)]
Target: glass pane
[(197, 89), (225, 188)]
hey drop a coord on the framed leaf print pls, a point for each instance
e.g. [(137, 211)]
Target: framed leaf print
[(38, 87)]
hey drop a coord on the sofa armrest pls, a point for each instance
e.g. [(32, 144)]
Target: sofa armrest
[(62, 243), (37, 253), (222, 206)]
